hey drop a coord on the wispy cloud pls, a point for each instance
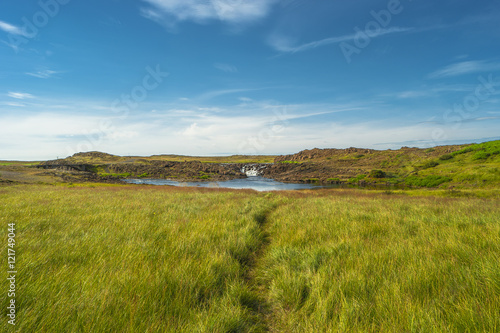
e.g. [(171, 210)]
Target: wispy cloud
[(12, 29), (432, 91), (468, 120), (19, 95), (465, 67), (226, 68), (43, 74), (284, 44), (222, 92), (15, 104), (198, 130), (414, 94), (229, 11)]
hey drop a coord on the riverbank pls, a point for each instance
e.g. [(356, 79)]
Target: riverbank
[(449, 167)]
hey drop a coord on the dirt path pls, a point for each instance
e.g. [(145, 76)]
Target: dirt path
[(262, 308)]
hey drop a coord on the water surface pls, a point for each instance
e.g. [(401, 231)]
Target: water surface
[(255, 183)]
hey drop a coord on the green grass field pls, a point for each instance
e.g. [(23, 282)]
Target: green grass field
[(17, 163), (97, 258)]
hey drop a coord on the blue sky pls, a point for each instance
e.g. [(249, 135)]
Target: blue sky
[(221, 77)]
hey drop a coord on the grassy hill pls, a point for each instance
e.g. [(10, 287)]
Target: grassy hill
[(456, 166), (105, 158), (475, 165)]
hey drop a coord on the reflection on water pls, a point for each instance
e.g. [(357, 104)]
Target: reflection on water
[(255, 183)]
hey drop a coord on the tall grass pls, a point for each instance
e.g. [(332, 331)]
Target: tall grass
[(384, 264), (121, 260), (154, 259)]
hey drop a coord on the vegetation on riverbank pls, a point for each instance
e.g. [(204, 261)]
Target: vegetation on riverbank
[(457, 166)]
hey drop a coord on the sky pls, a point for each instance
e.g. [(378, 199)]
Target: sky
[(224, 77)]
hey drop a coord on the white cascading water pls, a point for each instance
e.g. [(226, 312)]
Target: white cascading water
[(252, 170)]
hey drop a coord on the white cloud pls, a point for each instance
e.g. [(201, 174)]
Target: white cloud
[(433, 91), (14, 104), (49, 124), (226, 68), (12, 29), (414, 94), (217, 93), (193, 129), (229, 11), (43, 74), (465, 67), (286, 45), (19, 95), (61, 129)]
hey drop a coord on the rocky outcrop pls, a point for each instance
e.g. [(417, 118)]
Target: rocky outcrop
[(313, 165), (66, 167), (316, 153), (179, 170), (196, 170), (307, 172)]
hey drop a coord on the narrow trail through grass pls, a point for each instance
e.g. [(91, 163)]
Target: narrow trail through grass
[(261, 308)]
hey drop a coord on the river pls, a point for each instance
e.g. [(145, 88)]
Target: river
[(255, 183)]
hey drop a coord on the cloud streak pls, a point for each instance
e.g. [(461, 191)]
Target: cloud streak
[(222, 92), (19, 95), (43, 74), (200, 11), (284, 44), (11, 29), (465, 67), (226, 67)]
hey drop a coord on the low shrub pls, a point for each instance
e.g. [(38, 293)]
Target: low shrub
[(463, 151), (445, 157), (377, 174), (488, 148), (481, 155), (430, 164), (428, 181), (356, 179), (116, 175)]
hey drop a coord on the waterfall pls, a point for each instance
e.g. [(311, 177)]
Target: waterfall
[(253, 170)]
